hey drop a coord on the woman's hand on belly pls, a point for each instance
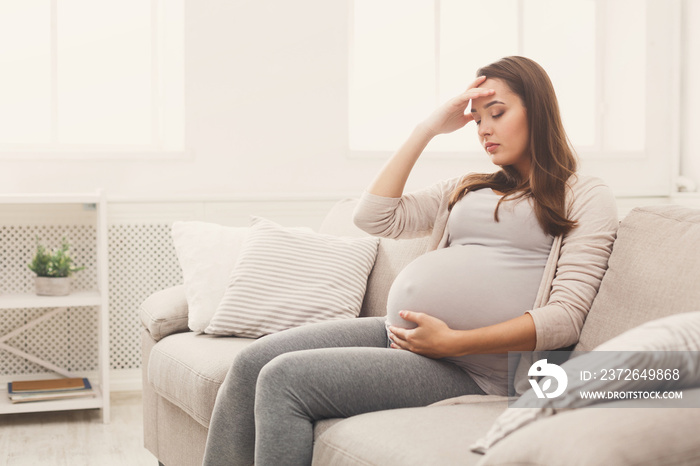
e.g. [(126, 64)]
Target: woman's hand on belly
[(431, 338), (434, 339)]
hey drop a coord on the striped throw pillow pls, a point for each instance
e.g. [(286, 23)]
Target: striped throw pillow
[(286, 277)]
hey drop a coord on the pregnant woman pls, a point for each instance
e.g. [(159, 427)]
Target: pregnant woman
[(515, 260)]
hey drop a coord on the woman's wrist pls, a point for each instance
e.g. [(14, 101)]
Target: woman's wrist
[(518, 334), (460, 343)]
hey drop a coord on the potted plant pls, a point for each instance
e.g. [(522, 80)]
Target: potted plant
[(53, 270)]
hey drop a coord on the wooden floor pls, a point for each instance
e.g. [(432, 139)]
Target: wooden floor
[(76, 438)]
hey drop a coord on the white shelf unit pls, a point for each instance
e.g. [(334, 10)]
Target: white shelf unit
[(98, 298)]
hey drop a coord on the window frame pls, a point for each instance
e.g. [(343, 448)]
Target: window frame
[(55, 150), (661, 16)]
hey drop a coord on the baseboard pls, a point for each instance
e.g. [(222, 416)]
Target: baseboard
[(125, 380)]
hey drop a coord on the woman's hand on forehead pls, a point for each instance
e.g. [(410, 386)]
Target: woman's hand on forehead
[(451, 115)]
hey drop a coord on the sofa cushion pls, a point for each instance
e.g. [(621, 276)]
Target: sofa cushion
[(429, 435), (612, 435), (206, 253), (187, 370), (653, 272), (286, 278), (165, 312)]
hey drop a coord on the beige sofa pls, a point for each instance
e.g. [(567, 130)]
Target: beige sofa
[(654, 272)]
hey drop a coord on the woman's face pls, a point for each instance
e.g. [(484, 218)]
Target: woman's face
[(502, 126)]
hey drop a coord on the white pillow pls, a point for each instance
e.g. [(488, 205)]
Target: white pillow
[(285, 278), (667, 343), (207, 253)]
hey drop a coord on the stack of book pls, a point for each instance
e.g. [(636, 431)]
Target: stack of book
[(51, 389)]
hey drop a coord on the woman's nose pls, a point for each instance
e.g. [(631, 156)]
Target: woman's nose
[(484, 129)]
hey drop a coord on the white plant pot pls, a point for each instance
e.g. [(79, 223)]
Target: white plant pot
[(52, 286)]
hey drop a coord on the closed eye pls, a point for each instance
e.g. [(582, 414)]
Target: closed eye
[(495, 117)]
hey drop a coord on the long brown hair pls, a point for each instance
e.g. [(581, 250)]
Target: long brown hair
[(552, 158)]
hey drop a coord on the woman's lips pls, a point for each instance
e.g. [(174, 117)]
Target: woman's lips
[(490, 146)]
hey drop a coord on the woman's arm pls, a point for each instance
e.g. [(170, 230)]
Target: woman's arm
[(383, 210), (434, 339), (582, 263)]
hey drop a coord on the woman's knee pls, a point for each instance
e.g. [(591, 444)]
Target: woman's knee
[(284, 375), (279, 371)]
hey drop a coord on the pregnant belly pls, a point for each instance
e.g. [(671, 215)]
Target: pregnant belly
[(465, 286)]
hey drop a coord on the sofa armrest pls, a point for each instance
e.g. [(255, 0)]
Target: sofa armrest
[(165, 312)]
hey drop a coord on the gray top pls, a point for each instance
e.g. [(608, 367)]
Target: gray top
[(489, 272), (576, 265)]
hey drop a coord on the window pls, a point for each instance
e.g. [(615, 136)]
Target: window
[(409, 56), (91, 77)]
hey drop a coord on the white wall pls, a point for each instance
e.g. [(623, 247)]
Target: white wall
[(266, 112)]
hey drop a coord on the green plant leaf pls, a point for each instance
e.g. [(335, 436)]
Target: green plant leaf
[(56, 263)]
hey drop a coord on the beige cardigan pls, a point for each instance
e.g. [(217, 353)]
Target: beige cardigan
[(576, 264)]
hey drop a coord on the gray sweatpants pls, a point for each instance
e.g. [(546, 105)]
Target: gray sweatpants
[(282, 383)]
